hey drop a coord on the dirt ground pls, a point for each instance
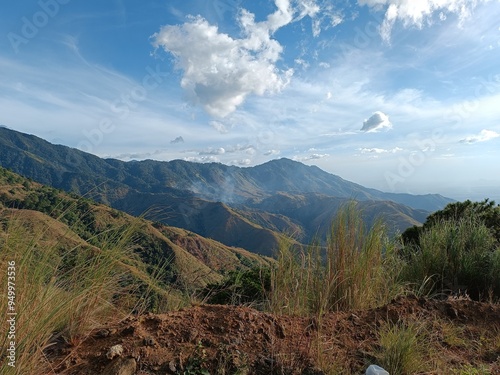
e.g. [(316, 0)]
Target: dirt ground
[(215, 339)]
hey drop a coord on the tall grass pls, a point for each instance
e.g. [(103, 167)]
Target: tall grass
[(458, 255), (59, 294), (356, 268), (401, 348)]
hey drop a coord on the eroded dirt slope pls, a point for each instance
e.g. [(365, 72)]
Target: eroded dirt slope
[(241, 340)]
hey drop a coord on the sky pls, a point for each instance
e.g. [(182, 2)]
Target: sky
[(397, 95)]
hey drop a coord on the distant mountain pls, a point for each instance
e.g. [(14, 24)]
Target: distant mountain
[(72, 169), (245, 207), (313, 212)]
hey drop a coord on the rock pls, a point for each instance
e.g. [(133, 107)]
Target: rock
[(121, 366), (375, 370), (172, 367), (114, 351)]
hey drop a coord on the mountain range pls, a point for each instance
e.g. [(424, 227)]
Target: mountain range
[(247, 207)]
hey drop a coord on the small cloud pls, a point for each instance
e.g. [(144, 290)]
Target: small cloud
[(272, 152), (483, 136), (202, 159), (324, 65), (302, 62), (248, 149), (417, 13), (241, 162), (220, 127), (213, 151), (376, 122), (177, 140), (310, 157), (380, 150)]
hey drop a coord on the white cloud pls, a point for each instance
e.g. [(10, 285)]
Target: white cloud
[(483, 136), (380, 150), (418, 12), (376, 122), (328, 17), (220, 71), (213, 151), (242, 162), (202, 159), (272, 152), (310, 157), (220, 127)]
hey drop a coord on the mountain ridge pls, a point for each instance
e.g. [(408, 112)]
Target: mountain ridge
[(227, 203), (211, 181)]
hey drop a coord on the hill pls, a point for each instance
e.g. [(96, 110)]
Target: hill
[(69, 220), (71, 169), (245, 207)]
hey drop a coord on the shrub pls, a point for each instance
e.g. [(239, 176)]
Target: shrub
[(456, 255), (356, 268), (240, 287), (401, 348)]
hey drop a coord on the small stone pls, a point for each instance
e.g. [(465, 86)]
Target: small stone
[(103, 333), (115, 351), (172, 367), (121, 366)]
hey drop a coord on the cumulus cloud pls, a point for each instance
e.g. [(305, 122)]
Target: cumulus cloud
[(418, 12), (376, 122), (483, 136), (220, 71)]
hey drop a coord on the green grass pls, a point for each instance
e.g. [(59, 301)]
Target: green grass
[(457, 256), (401, 348), (355, 269), (62, 295)]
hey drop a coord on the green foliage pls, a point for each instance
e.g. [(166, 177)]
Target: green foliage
[(196, 363), (54, 299), (401, 349), (486, 212), (240, 287), (356, 269), (457, 254), (471, 370)]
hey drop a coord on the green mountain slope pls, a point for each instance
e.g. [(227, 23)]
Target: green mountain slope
[(68, 168), (258, 202), (190, 260)]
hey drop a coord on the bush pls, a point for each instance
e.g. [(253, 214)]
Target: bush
[(357, 268), (240, 287), (401, 349), (458, 255)]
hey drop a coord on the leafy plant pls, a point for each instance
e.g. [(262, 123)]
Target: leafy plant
[(196, 363)]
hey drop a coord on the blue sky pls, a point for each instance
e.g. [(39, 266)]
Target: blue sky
[(399, 95)]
